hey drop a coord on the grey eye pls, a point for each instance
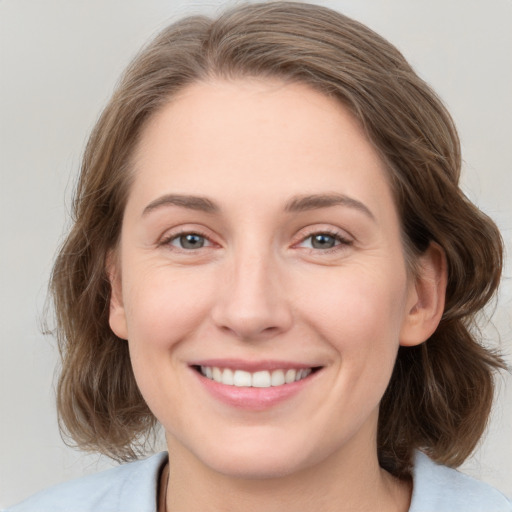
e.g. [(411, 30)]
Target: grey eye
[(323, 241), (189, 241)]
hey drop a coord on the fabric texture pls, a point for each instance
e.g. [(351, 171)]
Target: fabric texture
[(438, 488), (133, 488)]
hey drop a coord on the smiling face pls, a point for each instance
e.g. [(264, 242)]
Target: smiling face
[(260, 278)]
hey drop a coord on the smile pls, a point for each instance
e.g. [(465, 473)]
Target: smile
[(259, 379)]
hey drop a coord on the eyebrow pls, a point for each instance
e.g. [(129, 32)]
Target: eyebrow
[(202, 204), (294, 205), (318, 201)]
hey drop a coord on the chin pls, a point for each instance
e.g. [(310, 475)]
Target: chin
[(257, 460), (256, 468)]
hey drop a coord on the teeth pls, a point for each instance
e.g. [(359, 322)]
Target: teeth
[(217, 374), (260, 379), (242, 379), (290, 376), (228, 377), (277, 378)]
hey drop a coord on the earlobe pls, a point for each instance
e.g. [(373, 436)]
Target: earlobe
[(117, 316), (427, 297)]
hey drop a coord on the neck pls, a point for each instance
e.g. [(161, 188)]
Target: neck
[(352, 482)]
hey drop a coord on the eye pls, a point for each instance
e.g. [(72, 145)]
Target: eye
[(189, 241), (324, 241)]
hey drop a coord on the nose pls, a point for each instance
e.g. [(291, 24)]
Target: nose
[(251, 301)]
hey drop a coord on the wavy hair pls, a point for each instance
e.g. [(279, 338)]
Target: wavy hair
[(440, 393)]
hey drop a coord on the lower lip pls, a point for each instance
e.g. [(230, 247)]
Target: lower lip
[(255, 399)]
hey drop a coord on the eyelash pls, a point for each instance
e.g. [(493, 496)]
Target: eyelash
[(167, 241), (341, 240)]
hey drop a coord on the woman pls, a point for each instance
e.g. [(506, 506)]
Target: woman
[(271, 257)]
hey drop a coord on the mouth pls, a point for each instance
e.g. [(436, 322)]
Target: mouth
[(258, 379)]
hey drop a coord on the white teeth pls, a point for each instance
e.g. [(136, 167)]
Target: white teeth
[(227, 376), (217, 374), (242, 379), (277, 378), (290, 376), (302, 374), (260, 379)]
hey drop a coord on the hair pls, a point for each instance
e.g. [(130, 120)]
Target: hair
[(440, 393)]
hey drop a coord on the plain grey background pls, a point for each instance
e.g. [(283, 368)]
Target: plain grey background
[(59, 62)]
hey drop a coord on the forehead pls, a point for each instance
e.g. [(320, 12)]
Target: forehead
[(256, 137)]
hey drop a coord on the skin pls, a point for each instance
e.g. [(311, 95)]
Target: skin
[(260, 288)]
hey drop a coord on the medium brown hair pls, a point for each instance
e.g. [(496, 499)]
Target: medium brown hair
[(440, 393)]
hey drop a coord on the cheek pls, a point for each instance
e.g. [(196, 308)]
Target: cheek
[(361, 320), (163, 307), (363, 307)]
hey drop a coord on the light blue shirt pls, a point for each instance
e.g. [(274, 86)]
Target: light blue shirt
[(133, 488)]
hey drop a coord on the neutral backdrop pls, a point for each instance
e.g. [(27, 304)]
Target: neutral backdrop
[(59, 62)]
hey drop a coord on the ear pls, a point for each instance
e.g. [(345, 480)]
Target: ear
[(425, 304), (117, 316)]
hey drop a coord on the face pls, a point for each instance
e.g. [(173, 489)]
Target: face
[(260, 278)]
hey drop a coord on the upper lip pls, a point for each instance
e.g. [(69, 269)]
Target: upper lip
[(253, 366)]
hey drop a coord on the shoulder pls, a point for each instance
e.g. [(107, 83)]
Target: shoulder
[(130, 487), (438, 488)]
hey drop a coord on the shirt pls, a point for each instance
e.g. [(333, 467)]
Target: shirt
[(133, 488)]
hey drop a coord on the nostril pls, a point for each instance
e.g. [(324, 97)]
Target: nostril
[(249, 328)]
